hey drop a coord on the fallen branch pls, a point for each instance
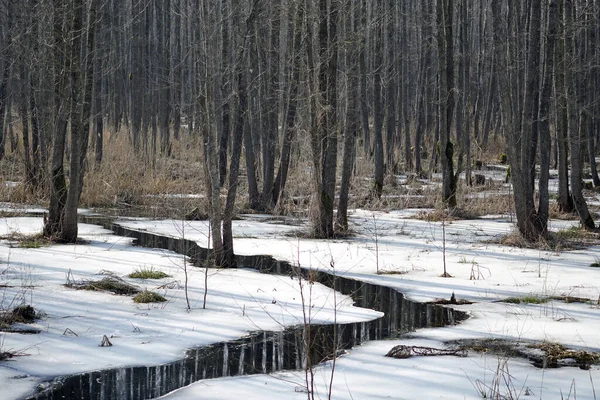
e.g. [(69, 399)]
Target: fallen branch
[(69, 332), (402, 351), (105, 342)]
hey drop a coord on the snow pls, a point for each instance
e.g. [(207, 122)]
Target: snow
[(242, 300), (366, 374), (238, 301)]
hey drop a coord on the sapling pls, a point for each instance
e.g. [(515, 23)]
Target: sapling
[(309, 373), (181, 231), (206, 265), (445, 274), (335, 333), (376, 243)]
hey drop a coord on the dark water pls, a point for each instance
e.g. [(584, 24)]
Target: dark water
[(258, 352)]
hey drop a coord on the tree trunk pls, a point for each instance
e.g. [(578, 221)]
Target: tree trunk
[(239, 125), (544, 116), (564, 199), (210, 140), (289, 121), (81, 87), (352, 121), (378, 111), (98, 106), (225, 94), (577, 117), (324, 134), (58, 185), (445, 12)]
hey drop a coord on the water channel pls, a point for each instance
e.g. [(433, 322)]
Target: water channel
[(258, 352)]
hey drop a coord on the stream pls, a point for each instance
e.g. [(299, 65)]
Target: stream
[(258, 352)]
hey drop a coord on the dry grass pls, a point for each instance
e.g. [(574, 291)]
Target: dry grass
[(442, 214), (574, 238), (527, 299), (26, 241), (24, 314), (554, 212), (125, 179), (148, 273), (110, 284), (148, 297)]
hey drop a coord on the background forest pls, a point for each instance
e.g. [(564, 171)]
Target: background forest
[(305, 105)]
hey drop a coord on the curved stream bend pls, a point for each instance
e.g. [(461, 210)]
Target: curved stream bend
[(258, 352)]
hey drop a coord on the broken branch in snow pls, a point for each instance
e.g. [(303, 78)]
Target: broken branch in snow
[(69, 332), (105, 342)]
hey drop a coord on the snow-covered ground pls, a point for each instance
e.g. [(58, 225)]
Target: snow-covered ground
[(242, 300), (75, 321)]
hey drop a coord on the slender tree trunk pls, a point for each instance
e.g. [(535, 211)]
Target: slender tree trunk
[(207, 121), (392, 140), (544, 116), (364, 103), (98, 106), (253, 194), (564, 199), (5, 67), (591, 146), (38, 149), (378, 112), (23, 111), (352, 121), (577, 118), (291, 109), (225, 91)]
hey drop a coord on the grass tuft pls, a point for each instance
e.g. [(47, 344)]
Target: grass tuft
[(111, 284), (27, 241), (23, 314), (33, 242), (148, 273), (573, 238), (575, 232), (392, 272), (442, 214), (148, 297), (527, 299)]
